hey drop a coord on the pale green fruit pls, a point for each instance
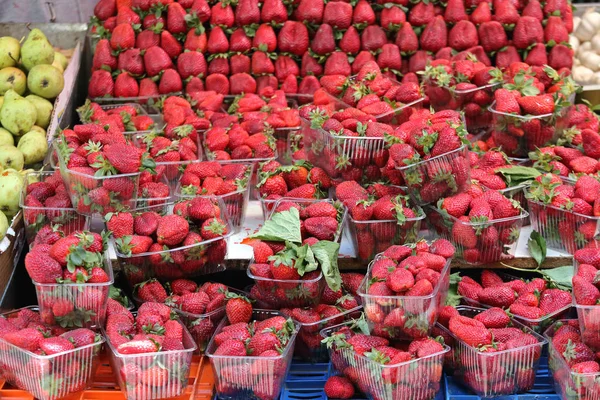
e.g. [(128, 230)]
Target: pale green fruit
[(3, 225), (38, 129), (1, 101), (17, 115), (36, 50), (44, 110), (11, 157), (11, 183), (12, 78), (60, 59), (10, 51), (34, 147), (45, 81), (6, 137)]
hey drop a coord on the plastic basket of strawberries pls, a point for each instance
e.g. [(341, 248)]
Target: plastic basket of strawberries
[(494, 355), (586, 294), (47, 206), (154, 190), (150, 352), (187, 239), (464, 85), (375, 225), (72, 276), (230, 182), (401, 298), (567, 215), (132, 117), (484, 229), (574, 366), (47, 361), (288, 270), (256, 365), (536, 303), (567, 162), (529, 110), (382, 371)]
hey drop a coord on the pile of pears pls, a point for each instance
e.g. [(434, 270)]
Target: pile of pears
[(31, 77)]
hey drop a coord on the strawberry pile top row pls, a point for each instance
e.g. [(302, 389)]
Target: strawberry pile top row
[(247, 46)]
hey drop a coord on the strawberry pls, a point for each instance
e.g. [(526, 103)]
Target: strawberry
[(293, 38), (238, 309), (493, 318), (528, 31), (470, 331), (273, 11), (339, 387), (338, 14), (123, 37), (455, 12), (498, 296), (156, 60), (247, 12), (101, 84), (103, 57), (138, 347), (105, 9), (434, 36)]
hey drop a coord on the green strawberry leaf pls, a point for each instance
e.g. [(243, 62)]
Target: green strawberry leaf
[(518, 175), (453, 298), (326, 253), (282, 227), (537, 247), (561, 276)]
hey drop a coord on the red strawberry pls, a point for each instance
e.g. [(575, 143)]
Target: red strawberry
[(123, 37), (103, 57), (434, 36), (293, 38), (156, 60), (528, 31)]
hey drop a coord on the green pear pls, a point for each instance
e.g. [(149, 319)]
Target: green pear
[(34, 147), (44, 110), (11, 157), (17, 114), (60, 60), (45, 81), (12, 78), (10, 51), (6, 137), (11, 184), (1, 101), (36, 50), (3, 225), (39, 129)]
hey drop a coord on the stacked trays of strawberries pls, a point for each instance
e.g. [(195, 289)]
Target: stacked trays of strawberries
[(379, 368), (565, 214), (301, 180), (379, 216), (463, 85), (586, 292), (134, 116), (72, 275), (47, 206), (150, 352), (188, 238), (405, 288), (493, 354), (48, 361), (484, 227), (291, 266), (535, 303), (574, 366), (230, 182), (529, 108)]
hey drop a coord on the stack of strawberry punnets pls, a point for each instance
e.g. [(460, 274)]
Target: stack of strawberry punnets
[(566, 161), (405, 287), (72, 275), (376, 94), (529, 108), (151, 353), (565, 214), (586, 291), (574, 365), (48, 361), (535, 303), (379, 219), (251, 352), (381, 370), (185, 240), (431, 155), (463, 85), (229, 182), (47, 206), (494, 355), (289, 271), (484, 227), (299, 181), (132, 117)]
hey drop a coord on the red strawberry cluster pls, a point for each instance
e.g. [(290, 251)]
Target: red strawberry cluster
[(566, 213), (484, 228), (579, 118), (187, 241), (252, 356), (319, 219), (401, 367), (574, 366), (130, 116), (535, 303), (529, 107), (405, 288), (586, 290), (485, 164), (464, 85), (181, 120), (489, 340), (47, 207), (60, 355), (567, 161)]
